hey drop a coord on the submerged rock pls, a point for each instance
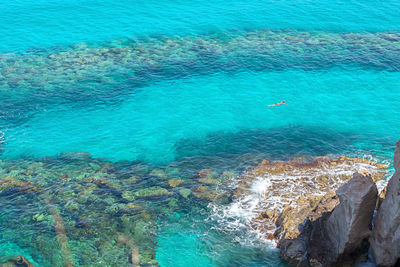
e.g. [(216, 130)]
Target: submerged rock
[(210, 193), (159, 173), (185, 192), (128, 195), (207, 180), (77, 205), (174, 182), (72, 68), (204, 173), (18, 260), (39, 217), (125, 240), (385, 240), (152, 192), (21, 186)]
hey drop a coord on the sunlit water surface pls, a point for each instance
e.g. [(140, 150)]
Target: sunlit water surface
[(160, 90)]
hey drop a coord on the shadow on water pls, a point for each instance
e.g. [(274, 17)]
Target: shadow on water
[(237, 151), (18, 108), (279, 143)]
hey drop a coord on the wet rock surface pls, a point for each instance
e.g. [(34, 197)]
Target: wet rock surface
[(299, 209), (289, 191), (385, 240)]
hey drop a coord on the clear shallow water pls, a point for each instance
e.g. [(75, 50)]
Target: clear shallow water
[(177, 86), (223, 113)]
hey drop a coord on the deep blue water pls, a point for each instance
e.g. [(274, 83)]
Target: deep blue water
[(186, 84)]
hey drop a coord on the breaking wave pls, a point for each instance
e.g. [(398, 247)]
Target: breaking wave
[(273, 192)]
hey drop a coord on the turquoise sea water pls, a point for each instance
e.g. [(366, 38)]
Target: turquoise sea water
[(155, 90)]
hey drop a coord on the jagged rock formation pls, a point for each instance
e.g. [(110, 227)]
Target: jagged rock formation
[(288, 192), (339, 236), (334, 234), (294, 250), (299, 208), (385, 240)]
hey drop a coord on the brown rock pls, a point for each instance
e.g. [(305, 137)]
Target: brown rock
[(175, 182), (209, 180), (18, 260), (101, 183), (21, 186), (65, 177), (204, 173), (363, 172), (294, 245), (294, 189), (210, 193), (381, 197), (125, 240), (291, 217), (200, 189)]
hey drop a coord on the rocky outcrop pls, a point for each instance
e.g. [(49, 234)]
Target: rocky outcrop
[(294, 250), (340, 236), (283, 194), (296, 205), (385, 240), (337, 228)]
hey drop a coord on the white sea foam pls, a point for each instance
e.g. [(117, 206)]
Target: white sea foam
[(272, 192)]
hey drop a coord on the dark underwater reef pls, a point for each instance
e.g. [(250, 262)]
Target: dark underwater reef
[(74, 73)]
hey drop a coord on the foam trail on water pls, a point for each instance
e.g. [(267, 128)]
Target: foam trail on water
[(273, 192)]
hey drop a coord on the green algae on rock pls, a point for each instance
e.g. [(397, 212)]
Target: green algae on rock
[(185, 192), (152, 192), (174, 182)]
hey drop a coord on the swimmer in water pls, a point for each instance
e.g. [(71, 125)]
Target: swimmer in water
[(277, 104)]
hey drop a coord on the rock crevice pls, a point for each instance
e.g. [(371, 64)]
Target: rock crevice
[(337, 228), (340, 228), (319, 212), (385, 239), (339, 236)]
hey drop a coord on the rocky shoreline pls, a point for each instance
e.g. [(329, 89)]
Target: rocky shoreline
[(321, 214), (87, 211)]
